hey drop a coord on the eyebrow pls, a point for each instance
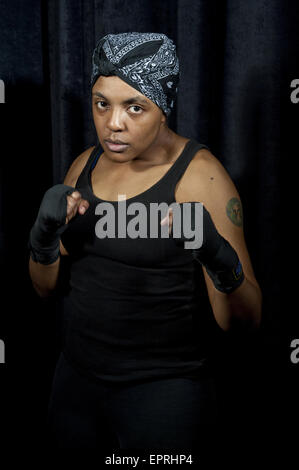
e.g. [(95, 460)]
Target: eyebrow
[(134, 99)]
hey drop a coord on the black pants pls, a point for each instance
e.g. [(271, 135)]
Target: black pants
[(175, 413)]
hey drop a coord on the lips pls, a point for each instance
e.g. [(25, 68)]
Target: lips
[(116, 141), (116, 147)]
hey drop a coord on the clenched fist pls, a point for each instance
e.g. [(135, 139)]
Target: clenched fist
[(75, 203), (59, 205)]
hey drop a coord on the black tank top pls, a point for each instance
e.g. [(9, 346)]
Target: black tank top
[(132, 302)]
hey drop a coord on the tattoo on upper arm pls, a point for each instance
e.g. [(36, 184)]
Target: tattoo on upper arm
[(234, 211)]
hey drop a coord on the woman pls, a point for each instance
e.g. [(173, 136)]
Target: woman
[(132, 360)]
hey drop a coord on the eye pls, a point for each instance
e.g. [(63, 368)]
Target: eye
[(99, 102), (139, 108), (102, 105)]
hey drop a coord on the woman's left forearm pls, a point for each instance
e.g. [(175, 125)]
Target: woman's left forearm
[(240, 309)]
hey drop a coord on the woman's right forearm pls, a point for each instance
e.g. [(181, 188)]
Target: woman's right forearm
[(44, 277), (59, 205)]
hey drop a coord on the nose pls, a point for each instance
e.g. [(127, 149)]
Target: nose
[(115, 120)]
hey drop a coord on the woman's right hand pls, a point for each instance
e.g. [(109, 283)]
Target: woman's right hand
[(59, 205), (75, 203)]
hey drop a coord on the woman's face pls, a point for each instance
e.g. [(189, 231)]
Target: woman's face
[(122, 113)]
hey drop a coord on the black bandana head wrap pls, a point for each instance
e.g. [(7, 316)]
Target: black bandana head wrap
[(146, 61)]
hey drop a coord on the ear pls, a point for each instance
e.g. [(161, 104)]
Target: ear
[(163, 119)]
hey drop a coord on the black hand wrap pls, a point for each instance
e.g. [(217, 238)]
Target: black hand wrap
[(50, 224), (215, 254)]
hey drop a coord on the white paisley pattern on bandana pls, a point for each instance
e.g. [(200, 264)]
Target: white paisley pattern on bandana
[(146, 61)]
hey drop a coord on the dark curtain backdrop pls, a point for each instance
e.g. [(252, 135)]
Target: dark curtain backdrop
[(237, 61)]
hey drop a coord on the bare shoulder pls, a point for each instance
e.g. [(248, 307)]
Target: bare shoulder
[(207, 168), (205, 180), (77, 167)]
